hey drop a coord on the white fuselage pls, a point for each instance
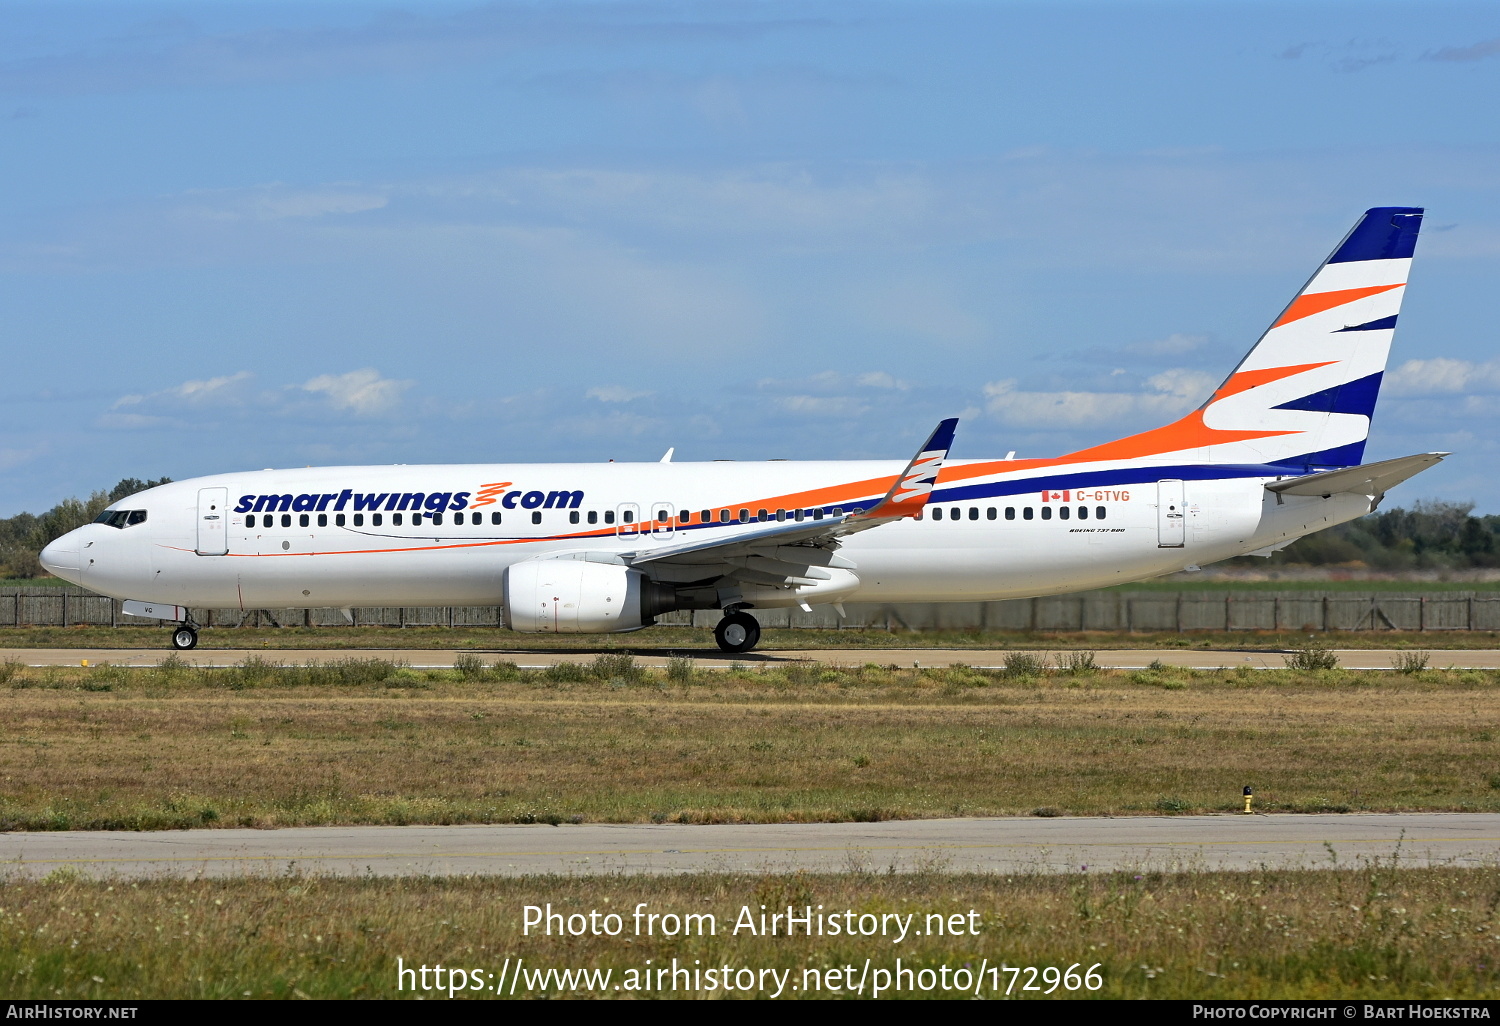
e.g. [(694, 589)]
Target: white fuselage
[(344, 536)]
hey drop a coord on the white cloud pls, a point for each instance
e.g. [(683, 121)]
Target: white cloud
[(823, 405), (1444, 376), (1173, 393), (1175, 344), (277, 202), (616, 394), (361, 391), (18, 457), (880, 379), (190, 393)]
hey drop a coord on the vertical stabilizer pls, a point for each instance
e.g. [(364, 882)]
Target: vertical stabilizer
[(1303, 397)]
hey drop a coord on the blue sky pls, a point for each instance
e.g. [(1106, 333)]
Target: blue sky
[(253, 235)]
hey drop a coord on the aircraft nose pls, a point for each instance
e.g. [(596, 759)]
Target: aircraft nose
[(60, 558)]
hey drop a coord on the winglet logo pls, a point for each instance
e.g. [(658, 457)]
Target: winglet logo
[(487, 493), (922, 476), (1063, 496)]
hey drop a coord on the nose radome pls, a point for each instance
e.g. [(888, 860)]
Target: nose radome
[(60, 558)]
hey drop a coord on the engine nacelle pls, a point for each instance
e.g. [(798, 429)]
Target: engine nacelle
[(577, 596)]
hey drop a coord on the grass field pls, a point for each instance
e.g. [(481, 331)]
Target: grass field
[(690, 639), (1369, 931), (368, 742), (1198, 582)]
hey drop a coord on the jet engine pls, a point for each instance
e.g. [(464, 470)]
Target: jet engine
[(579, 596)]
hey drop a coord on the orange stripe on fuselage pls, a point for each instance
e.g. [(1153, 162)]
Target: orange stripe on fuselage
[(1310, 303)]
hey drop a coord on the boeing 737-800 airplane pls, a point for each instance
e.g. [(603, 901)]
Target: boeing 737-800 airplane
[(1274, 454)]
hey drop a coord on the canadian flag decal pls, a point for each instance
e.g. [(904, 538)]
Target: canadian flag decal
[(1062, 496)]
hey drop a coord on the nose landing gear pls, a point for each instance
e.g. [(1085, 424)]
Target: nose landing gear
[(737, 632), (184, 636)]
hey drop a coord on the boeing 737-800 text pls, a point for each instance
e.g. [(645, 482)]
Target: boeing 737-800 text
[(1274, 454)]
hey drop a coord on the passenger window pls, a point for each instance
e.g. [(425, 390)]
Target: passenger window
[(973, 512), (989, 514), (396, 519), (1046, 512), (818, 513), (760, 515), (593, 516), (304, 520), (437, 518), (1083, 512), (359, 520), (338, 520), (573, 517), (376, 519), (798, 515), (609, 516), (1098, 512), (1064, 513), (1010, 512), (838, 511), (628, 516), (744, 516), (322, 519), (286, 520), (781, 516), (662, 516), (249, 521), (536, 516), (723, 516), (1027, 513), (495, 517)]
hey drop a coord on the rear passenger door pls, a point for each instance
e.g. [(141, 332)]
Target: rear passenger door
[(1171, 520)]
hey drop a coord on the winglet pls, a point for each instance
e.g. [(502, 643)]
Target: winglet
[(908, 496)]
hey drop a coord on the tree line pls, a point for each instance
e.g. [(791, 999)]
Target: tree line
[(23, 536), (1429, 536)]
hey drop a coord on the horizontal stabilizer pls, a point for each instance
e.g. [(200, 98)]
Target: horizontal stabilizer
[(1370, 479)]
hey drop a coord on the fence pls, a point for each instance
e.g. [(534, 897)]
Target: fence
[(1096, 610)]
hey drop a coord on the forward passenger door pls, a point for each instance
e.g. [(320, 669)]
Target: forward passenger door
[(213, 521)]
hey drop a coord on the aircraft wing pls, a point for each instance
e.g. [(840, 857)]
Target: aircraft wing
[(791, 553), (1369, 479)]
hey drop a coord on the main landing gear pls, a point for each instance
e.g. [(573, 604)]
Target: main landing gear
[(737, 632), (185, 636)]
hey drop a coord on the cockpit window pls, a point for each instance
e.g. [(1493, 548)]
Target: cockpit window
[(121, 518)]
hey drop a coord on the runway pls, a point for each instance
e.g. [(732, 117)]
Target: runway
[(1016, 845), (1203, 659)]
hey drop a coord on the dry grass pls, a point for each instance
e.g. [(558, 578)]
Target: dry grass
[(368, 742), (1368, 931), (666, 639)]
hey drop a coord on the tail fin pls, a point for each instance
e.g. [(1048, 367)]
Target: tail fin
[(1304, 395)]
